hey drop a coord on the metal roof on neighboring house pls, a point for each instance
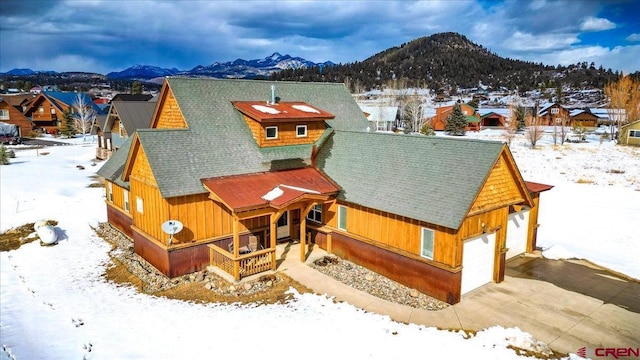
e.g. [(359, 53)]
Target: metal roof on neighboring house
[(430, 178), (112, 169), (380, 113), (69, 98)]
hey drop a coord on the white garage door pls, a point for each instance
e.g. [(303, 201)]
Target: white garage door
[(477, 262), (517, 231)]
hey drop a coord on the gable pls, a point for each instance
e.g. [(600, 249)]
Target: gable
[(504, 186), (168, 114), (137, 166)]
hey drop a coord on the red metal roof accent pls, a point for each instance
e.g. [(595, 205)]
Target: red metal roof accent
[(534, 187), (244, 192), (281, 111)]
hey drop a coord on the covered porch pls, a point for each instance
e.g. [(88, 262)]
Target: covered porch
[(282, 197)]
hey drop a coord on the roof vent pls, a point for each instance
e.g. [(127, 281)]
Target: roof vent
[(273, 95)]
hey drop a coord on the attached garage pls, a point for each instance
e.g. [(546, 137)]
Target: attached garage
[(517, 232), (478, 256)]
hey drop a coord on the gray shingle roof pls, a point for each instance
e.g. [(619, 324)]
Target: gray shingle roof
[(113, 168), (133, 114), (430, 178), (218, 141)]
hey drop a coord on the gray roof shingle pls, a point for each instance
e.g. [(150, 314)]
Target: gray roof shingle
[(430, 178)]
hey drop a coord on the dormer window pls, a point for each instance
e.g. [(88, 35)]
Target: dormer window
[(272, 132), (301, 130)]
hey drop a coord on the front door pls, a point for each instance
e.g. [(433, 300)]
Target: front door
[(282, 230)]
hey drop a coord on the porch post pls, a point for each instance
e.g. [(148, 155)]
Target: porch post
[(304, 210), (273, 218), (329, 236), (236, 248)]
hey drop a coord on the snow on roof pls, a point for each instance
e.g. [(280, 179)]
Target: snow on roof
[(305, 108), (265, 109), (380, 113), (501, 111)]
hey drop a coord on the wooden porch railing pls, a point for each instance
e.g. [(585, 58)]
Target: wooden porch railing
[(245, 264)]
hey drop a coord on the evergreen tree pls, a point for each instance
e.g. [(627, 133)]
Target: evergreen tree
[(474, 102), (68, 128), (520, 114), (4, 156), (456, 122), (136, 87)]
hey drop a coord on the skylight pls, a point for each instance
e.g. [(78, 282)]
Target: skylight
[(305, 108), (266, 109)]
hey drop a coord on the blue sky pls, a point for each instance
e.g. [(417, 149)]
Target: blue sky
[(103, 36)]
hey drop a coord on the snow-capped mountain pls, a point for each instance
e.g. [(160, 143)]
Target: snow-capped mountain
[(247, 69), (142, 72)]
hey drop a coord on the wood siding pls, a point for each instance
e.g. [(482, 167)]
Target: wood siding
[(500, 188), (16, 118), (170, 116), (395, 231), (287, 134), (119, 219)]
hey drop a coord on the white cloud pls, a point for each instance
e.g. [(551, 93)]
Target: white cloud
[(520, 41), (633, 37), (596, 24)]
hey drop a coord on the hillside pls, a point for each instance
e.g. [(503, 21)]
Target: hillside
[(450, 60)]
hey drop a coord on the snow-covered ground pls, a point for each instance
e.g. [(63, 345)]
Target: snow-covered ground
[(54, 303)]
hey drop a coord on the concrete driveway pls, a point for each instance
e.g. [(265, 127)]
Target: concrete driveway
[(568, 305)]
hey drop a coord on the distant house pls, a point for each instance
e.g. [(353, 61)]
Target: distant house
[(382, 118), (123, 119), (132, 97), (493, 119), (47, 108), (19, 102), (551, 114), (608, 116), (630, 134), (583, 118), (439, 121), (10, 115), (235, 165)]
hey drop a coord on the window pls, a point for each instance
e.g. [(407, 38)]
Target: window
[(342, 217), (301, 130), (110, 191), (4, 114), (53, 111), (139, 205), (121, 130), (126, 201), (426, 243), (272, 132), (315, 214), (41, 109), (555, 111), (634, 133)]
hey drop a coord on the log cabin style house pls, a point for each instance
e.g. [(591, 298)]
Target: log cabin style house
[(439, 121), (242, 164)]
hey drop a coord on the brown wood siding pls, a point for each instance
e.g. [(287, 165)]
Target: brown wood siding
[(286, 132), (152, 252), (16, 118), (499, 189), (434, 281), (170, 116), (396, 231)]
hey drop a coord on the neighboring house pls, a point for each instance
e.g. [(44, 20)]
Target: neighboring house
[(20, 101), (10, 115), (382, 118), (551, 114), (630, 134), (234, 166), (132, 97), (439, 121), (493, 119), (608, 116), (123, 119), (47, 108), (583, 118)]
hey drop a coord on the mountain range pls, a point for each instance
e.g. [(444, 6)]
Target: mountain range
[(445, 61)]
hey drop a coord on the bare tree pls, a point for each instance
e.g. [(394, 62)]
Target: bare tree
[(534, 130), (413, 112), (624, 101), (564, 122), (85, 115)]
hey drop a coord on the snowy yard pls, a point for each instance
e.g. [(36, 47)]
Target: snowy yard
[(56, 305)]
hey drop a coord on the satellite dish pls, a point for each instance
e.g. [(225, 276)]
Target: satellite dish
[(172, 227)]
